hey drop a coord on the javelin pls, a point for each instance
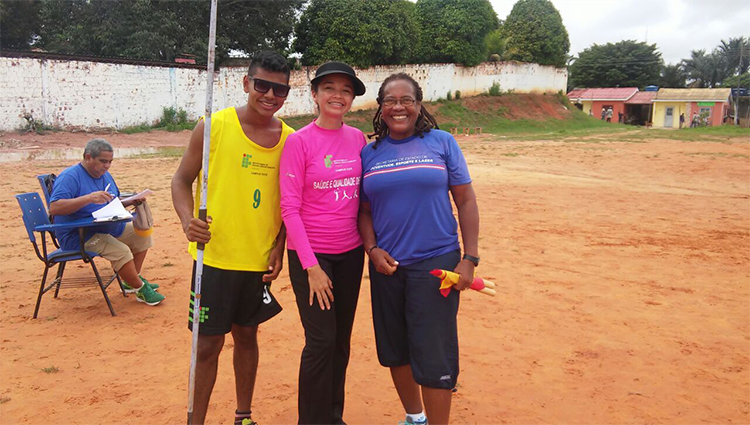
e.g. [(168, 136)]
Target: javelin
[(202, 209)]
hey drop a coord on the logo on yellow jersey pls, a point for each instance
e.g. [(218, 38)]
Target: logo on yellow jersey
[(246, 160)]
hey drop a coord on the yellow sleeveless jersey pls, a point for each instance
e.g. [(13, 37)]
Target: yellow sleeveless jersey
[(243, 196)]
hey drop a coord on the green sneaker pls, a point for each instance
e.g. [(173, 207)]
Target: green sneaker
[(146, 294), (130, 290), (155, 286)]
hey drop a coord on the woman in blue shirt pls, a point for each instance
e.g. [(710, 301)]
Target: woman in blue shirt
[(407, 225)]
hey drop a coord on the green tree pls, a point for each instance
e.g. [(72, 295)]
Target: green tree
[(627, 63), (20, 22), (454, 31), (705, 69), (736, 52), (161, 30), (536, 33), (361, 33), (496, 44), (672, 76), (737, 81)]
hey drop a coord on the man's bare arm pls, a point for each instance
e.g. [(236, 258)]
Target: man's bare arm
[(182, 188)]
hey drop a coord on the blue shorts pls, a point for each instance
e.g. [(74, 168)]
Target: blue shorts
[(414, 324)]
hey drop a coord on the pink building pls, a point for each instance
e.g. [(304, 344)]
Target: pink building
[(592, 101)]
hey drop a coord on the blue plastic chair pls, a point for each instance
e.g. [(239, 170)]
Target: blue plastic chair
[(35, 219)]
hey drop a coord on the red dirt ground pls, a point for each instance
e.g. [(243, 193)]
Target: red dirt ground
[(624, 284)]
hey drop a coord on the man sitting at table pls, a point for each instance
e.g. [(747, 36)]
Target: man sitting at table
[(84, 188)]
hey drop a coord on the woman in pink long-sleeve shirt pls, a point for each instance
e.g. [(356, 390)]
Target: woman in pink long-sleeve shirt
[(320, 182)]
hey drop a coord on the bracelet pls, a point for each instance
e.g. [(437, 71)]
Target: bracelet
[(369, 250), (471, 258)]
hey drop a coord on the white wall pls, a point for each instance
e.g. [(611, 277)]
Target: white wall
[(90, 95)]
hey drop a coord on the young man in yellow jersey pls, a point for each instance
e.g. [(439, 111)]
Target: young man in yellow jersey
[(245, 242)]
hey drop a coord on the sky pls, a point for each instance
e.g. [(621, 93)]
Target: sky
[(675, 26)]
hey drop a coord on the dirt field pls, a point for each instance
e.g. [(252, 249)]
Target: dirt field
[(624, 297)]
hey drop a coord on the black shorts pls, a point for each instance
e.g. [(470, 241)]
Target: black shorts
[(231, 297), (414, 324)]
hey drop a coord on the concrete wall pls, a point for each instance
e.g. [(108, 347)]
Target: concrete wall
[(91, 95)]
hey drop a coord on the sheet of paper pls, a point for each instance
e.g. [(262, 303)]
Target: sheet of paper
[(138, 196), (110, 211)]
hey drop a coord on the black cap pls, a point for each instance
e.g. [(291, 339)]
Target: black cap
[(329, 68)]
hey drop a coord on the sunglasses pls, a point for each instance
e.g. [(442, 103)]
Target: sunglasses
[(263, 86)]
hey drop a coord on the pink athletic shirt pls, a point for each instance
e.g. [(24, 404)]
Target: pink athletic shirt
[(320, 177)]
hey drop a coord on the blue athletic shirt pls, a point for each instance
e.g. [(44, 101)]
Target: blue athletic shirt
[(73, 182), (407, 184)]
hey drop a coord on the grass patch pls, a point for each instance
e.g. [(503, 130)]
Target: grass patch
[(51, 369), (721, 134), (717, 154), (141, 128), (171, 152), (167, 264), (722, 130), (511, 154), (145, 128), (171, 120)]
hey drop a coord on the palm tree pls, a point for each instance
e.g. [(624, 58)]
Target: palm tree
[(705, 70), (736, 51)]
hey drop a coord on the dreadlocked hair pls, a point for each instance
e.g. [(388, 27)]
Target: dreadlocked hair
[(425, 121)]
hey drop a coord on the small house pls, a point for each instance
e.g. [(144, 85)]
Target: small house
[(708, 106), (593, 100)]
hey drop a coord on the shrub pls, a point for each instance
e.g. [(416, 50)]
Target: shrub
[(495, 89), (458, 94), (448, 96), (168, 116), (174, 119), (35, 125), (182, 116)]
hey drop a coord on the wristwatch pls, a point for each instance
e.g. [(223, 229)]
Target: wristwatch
[(471, 258)]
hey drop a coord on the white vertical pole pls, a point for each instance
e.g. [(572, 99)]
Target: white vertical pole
[(202, 208)]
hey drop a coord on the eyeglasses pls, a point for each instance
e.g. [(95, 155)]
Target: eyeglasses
[(263, 86), (404, 101)]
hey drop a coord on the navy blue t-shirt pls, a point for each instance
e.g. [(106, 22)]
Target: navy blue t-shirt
[(407, 184), (73, 182)]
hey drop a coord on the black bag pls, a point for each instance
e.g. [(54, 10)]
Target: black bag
[(49, 182)]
